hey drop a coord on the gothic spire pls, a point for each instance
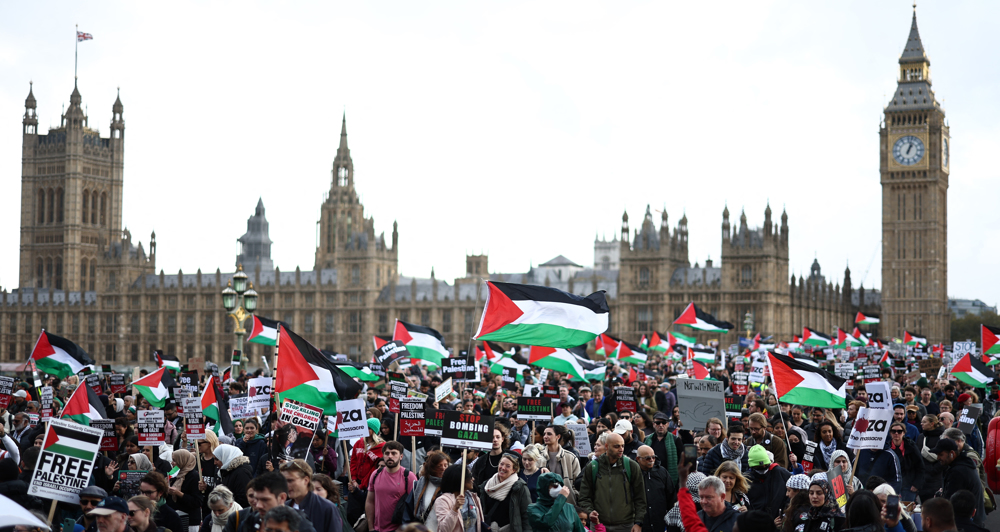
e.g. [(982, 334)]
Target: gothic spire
[(914, 50), (343, 136)]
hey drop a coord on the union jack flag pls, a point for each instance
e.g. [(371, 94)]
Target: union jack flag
[(81, 36)]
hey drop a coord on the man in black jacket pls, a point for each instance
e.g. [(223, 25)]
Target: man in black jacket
[(270, 490), (321, 512), (963, 503), (960, 474), (660, 491), (767, 482)]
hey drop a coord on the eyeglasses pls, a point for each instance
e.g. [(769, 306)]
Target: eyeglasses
[(659, 422), (647, 458), (131, 513)]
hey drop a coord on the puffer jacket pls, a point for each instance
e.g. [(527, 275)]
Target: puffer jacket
[(236, 477)]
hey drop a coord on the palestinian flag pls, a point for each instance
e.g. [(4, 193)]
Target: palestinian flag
[(491, 351), (507, 361), (422, 342), (644, 343), (699, 371), (407, 363), (705, 355), (626, 352), (798, 383), (811, 337), (265, 331), (303, 374), (172, 474), (64, 438), (845, 340), (659, 343), (609, 344), (696, 319), (862, 337), (806, 359), (58, 356), (167, 361), (862, 319), (358, 371), (84, 406), (913, 339), (973, 372), (543, 316), (990, 340), (227, 375), (563, 360), (155, 387), (886, 360), (211, 398)]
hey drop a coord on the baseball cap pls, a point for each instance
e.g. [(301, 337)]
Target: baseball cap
[(622, 426), (661, 416), (20, 393), (944, 444), (109, 506)]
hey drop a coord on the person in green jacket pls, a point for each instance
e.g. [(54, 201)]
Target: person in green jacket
[(552, 512), (610, 494)]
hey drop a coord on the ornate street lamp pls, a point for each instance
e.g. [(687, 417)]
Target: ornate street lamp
[(748, 323), (239, 302)]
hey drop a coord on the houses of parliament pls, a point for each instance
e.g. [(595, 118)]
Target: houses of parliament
[(83, 276)]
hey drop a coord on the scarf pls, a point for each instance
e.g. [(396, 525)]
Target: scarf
[(901, 448), (227, 453), (141, 462), (219, 521), (498, 489), (828, 451), (186, 462), (729, 454)]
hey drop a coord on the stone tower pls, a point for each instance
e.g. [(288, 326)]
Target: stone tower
[(914, 144), (755, 267), (255, 245), (71, 197)]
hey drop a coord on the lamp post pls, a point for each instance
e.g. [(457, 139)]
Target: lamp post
[(240, 302), (748, 323)]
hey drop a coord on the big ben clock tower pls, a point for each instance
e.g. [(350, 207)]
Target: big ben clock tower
[(914, 164)]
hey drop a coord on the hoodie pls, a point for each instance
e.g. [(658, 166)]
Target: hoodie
[(552, 515)]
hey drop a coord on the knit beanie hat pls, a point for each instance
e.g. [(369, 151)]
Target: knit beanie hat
[(798, 482), (758, 456), (374, 424)]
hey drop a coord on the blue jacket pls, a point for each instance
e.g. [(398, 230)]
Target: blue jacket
[(883, 464), (322, 513)]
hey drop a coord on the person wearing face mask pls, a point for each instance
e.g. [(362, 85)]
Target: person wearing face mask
[(552, 512), (767, 482)]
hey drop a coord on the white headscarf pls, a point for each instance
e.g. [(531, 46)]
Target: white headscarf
[(166, 453), (227, 453), (119, 405)]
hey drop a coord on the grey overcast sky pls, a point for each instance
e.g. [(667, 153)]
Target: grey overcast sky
[(520, 129)]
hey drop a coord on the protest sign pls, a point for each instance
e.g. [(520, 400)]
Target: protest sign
[(116, 383), (443, 390), (238, 407), (198, 365), (551, 392), (757, 371), (128, 482), (411, 417), (844, 370), (305, 419), (109, 442), (870, 428), (509, 377), (808, 456), (700, 401), (838, 485), (433, 422), (94, 383), (149, 425), (397, 391), (740, 382), (458, 369), (531, 390), (543, 376), (734, 406), (352, 420), (259, 395), (871, 374), (6, 391), (467, 431), (966, 420), (580, 437), (395, 376), (46, 400), (624, 399), (391, 352), (66, 461), (929, 365), (911, 377), (377, 369), (416, 395), (960, 349), (33, 420), (193, 427), (534, 408), (878, 394)]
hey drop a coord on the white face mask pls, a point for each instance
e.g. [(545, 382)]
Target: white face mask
[(554, 492)]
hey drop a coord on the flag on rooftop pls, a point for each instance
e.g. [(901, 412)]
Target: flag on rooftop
[(542, 316), (81, 36)]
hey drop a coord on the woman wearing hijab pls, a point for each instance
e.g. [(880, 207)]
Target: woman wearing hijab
[(183, 494), (505, 497), (234, 471), (552, 512), (822, 514), (841, 459)]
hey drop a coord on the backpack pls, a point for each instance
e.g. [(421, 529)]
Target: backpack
[(404, 504), (626, 464)]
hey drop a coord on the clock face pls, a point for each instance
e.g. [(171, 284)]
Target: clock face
[(908, 150), (944, 152)]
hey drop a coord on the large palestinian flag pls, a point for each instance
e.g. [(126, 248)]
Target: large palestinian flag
[(211, 399), (265, 331), (507, 361), (167, 361), (303, 374), (913, 339), (573, 362), (798, 383), (58, 356), (422, 342), (695, 318), (863, 319), (845, 340), (542, 316), (626, 352), (63, 438), (862, 337), (155, 387), (699, 371), (973, 372), (990, 340), (811, 337), (84, 406)]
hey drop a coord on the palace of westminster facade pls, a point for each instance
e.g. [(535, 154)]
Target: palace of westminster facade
[(82, 276)]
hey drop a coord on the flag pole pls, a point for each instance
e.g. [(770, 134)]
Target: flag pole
[(782, 415), (274, 384), (76, 47)]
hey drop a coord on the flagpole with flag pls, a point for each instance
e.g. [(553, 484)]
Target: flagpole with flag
[(274, 386)]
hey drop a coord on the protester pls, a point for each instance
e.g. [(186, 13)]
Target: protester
[(822, 513), (612, 490), (329, 489), (458, 508), (90, 497), (660, 491), (553, 512), (736, 486), (883, 491), (963, 504), (841, 460), (862, 514), (252, 444), (387, 486), (910, 462), (828, 439), (530, 470), (767, 482), (937, 515), (675, 521), (931, 432), (715, 513), (486, 466), (666, 446), (140, 514), (282, 519), (183, 494), (759, 435), (234, 471), (221, 505), (960, 474), (730, 449), (881, 463), (322, 513), (270, 490), (154, 485), (428, 488), (623, 428), (557, 459), (112, 515)]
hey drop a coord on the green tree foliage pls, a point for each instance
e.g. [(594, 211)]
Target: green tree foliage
[(967, 328)]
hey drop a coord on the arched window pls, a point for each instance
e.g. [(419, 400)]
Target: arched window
[(747, 275), (643, 276), (93, 208), (48, 273), (39, 273), (86, 206), (41, 206), (59, 273), (60, 205), (52, 205), (104, 202)]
